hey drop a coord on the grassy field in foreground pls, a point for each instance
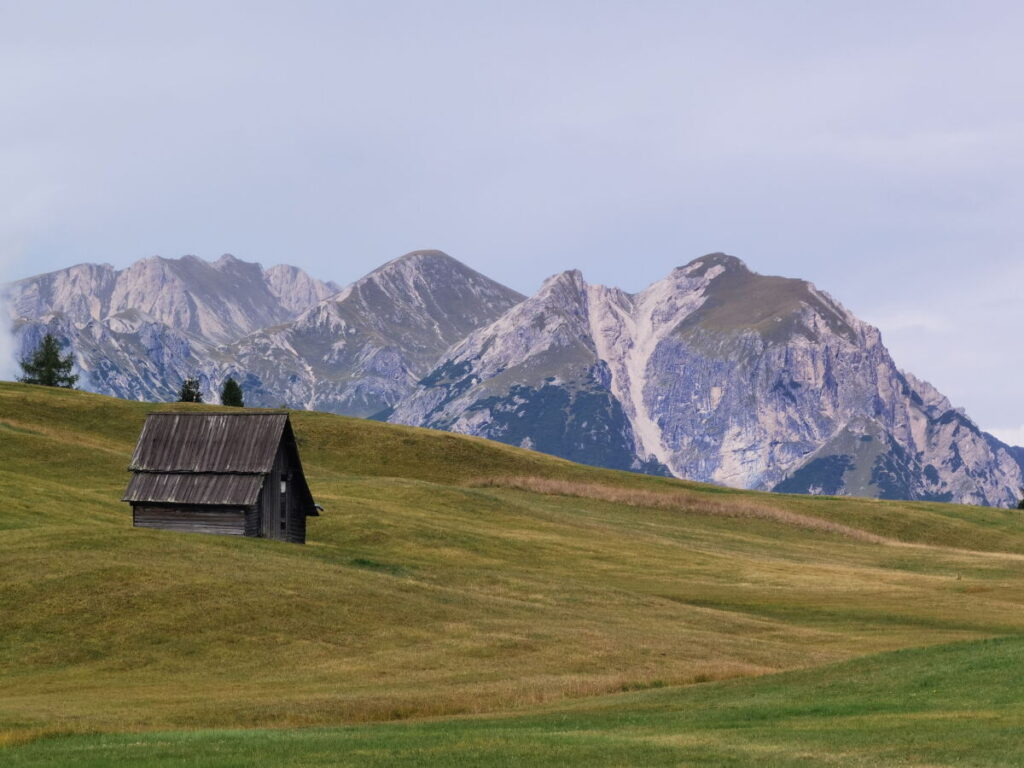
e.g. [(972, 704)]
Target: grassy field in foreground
[(455, 576), (956, 705)]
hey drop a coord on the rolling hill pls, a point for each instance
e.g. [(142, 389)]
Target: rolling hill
[(532, 609)]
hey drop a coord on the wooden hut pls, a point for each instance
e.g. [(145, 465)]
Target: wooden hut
[(226, 473)]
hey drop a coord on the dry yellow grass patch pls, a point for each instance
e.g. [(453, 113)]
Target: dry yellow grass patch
[(22, 736), (681, 501)]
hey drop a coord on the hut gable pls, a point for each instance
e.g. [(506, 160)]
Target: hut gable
[(233, 473)]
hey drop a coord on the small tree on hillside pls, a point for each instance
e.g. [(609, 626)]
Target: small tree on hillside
[(45, 365), (190, 391), (231, 394), (1020, 505)]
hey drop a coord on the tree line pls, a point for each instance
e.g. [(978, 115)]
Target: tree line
[(230, 393), (47, 367)]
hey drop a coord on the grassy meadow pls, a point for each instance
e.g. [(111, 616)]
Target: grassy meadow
[(508, 607)]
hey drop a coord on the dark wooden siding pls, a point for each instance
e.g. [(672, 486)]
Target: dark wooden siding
[(282, 516), (252, 521), (296, 522), (296, 516), (270, 500), (219, 520)]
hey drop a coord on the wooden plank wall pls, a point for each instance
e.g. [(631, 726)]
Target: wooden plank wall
[(296, 520), (296, 523), (252, 521), (190, 520), (269, 503)]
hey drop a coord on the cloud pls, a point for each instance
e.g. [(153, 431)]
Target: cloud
[(8, 344), (8, 365)]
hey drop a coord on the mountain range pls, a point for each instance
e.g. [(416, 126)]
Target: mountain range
[(714, 373)]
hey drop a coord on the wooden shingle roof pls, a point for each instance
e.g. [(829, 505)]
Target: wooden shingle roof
[(219, 459), (194, 489), (209, 442)]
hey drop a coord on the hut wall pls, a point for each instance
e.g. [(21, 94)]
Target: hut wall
[(252, 521), (219, 520), (281, 515), (296, 527), (271, 512), (295, 530)]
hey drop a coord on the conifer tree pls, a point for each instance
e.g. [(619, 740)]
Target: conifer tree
[(231, 394), (190, 391), (45, 366)]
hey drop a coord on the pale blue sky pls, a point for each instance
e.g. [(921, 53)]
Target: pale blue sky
[(873, 148)]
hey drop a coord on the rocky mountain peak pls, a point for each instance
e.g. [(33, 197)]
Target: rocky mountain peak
[(359, 350), (215, 301), (714, 373), (426, 254), (296, 289), (738, 300), (699, 266), (418, 274), (425, 259), (568, 286), (226, 259)]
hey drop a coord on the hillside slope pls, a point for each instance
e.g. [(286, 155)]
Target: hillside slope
[(440, 581)]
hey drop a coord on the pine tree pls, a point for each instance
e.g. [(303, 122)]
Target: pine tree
[(190, 391), (231, 394), (45, 366)]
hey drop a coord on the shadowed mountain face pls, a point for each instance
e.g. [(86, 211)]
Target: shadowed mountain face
[(714, 373)]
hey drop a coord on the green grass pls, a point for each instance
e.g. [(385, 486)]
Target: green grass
[(517, 618), (954, 705)]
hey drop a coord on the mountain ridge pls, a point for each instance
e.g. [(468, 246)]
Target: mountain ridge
[(718, 374), (361, 349), (714, 372)]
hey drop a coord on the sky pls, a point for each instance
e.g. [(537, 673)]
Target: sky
[(873, 148)]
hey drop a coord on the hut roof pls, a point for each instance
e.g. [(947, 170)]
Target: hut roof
[(194, 488), (209, 442), (210, 458)]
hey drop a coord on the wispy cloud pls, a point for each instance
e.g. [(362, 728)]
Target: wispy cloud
[(8, 365)]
